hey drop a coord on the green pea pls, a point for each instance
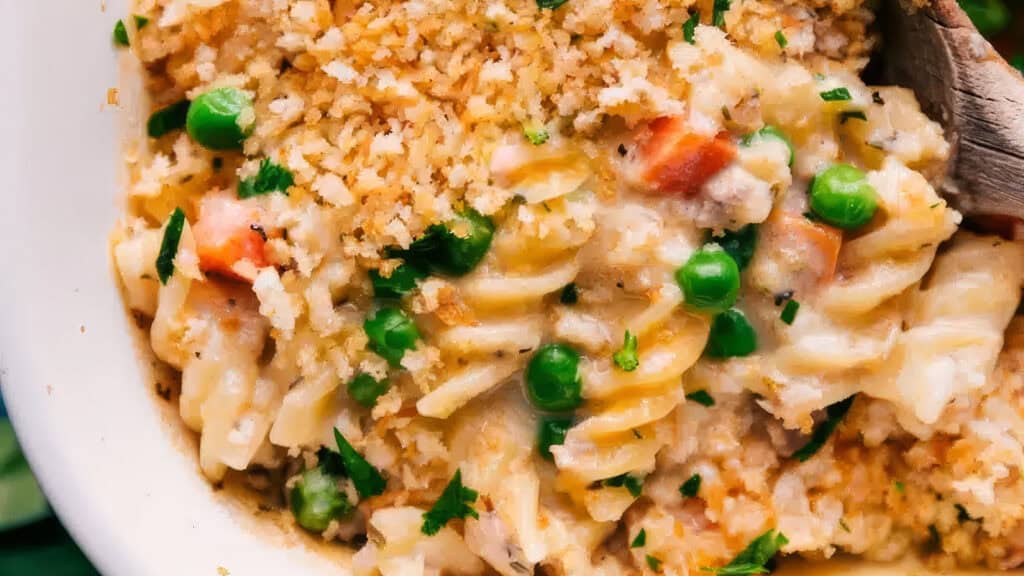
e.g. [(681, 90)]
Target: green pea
[(731, 335), (551, 432), (772, 133), (391, 333), (553, 378), (365, 390), (221, 119), (710, 280), (465, 243), (402, 281), (454, 248), (316, 500), (841, 196)]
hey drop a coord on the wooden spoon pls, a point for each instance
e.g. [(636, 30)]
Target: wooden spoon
[(966, 86)]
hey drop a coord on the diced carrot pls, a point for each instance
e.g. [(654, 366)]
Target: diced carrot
[(819, 242), (226, 233), (674, 159)]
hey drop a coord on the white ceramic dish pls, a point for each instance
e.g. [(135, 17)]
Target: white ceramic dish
[(129, 492)]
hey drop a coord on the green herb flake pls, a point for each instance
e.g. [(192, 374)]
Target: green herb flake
[(780, 39), (121, 32), (753, 558), (834, 415), (899, 486), (653, 563), (402, 281), (631, 483), (169, 119), (842, 524), (740, 244), (690, 27), (570, 294), (701, 397), (536, 134), (169, 245), (626, 358), (454, 503), (367, 479), (365, 389), (851, 115), (641, 539), (691, 487), (550, 4), (718, 11), (836, 95), (270, 178), (789, 311)]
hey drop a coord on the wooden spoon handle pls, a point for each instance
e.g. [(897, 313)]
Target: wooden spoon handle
[(964, 84)]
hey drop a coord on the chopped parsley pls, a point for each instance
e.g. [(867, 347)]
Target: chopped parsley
[(701, 397), (691, 487), (834, 415), (690, 27), (536, 134), (836, 95), (780, 39), (899, 486), (740, 244), (454, 503), (366, 478), (167, 119), (626, 358), (789, 312), (653, 563), (851, 114), (121, 32), (570, 294), (270, 178), (753, 558), (842, 524), (550, 4), (169, 245), (365, 389), (631, 483), (718, 11), (641, 539), (401, 282), (551, 432)]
